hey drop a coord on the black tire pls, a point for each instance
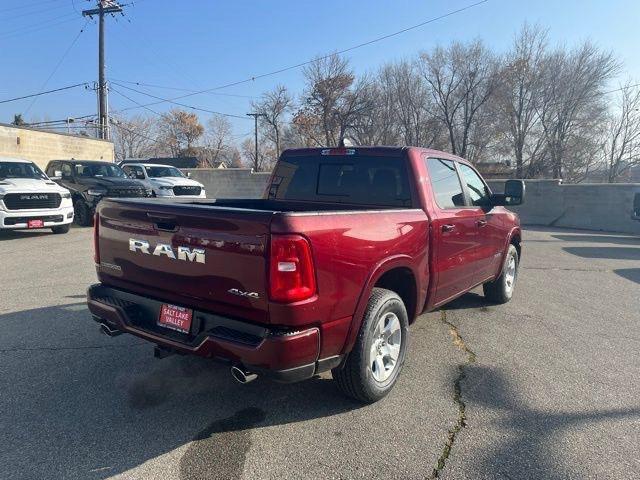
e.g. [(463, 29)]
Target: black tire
[(83, 214), (60, 229), (499, 290), (356, 377)]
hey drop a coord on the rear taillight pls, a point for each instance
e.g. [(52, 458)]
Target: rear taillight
[(291, 272), (96, 235)]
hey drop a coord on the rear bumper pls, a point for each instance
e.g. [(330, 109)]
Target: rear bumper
[(17, 219), (286, 356)]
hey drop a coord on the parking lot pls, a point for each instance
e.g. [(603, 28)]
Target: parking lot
[(543, 387)]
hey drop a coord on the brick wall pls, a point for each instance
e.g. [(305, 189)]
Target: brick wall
[(41, 147)]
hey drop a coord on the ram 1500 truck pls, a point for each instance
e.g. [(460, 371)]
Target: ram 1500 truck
[(326, 272)]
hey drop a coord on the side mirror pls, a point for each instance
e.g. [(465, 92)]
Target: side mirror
[(636, 207), (57, 175), (513, 194)]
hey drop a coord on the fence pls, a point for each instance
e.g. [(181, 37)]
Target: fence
[(230, 182), (591, 206)]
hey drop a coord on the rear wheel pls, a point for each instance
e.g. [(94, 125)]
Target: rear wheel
[(373, 366), (82, 212), (501, 289), (61, 229)]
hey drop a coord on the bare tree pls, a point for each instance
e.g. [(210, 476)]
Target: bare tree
[(572, 102), (217, 138), (265, 160), (520, 95), (133, 137), (273, 107), (180, 130), (461, 79), (621, 143), (333, 99)]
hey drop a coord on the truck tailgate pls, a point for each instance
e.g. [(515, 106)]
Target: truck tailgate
[(196, 255)]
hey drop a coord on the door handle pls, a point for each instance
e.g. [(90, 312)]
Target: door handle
[(448, 227), (481, 223)]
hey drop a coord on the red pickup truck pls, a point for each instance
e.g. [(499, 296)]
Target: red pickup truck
[(326, 272)]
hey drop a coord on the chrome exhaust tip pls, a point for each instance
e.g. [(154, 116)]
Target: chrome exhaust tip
[(108, 331), (242, 376)]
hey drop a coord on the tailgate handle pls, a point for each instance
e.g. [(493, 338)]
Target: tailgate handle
[(163, 222)]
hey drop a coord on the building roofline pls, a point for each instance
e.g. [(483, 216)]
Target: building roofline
[(32, 129)]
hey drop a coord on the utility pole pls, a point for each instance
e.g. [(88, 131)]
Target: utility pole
[(255, 117), (105, 7)]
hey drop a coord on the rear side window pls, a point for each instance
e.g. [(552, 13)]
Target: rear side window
[(445, 183), (354, 179), (478, 191)]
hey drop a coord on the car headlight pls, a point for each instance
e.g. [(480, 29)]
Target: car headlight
[(95, 192), (166, 187), (66, 195)]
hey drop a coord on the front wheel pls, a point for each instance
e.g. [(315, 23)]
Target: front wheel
[(82, 213), (500, 290), (373, 366)]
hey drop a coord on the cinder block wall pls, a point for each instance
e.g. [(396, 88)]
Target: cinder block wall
[(230, 182), (40, 147), (591, 206)]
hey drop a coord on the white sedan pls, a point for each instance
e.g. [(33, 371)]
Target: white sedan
[(165, 180)]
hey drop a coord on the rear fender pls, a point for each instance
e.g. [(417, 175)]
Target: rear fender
[(378, 271)]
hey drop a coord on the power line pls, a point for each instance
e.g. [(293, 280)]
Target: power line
[(38, 24), (166, 100), (48, 122), (134, 101), (55, 69), (141, 84), (37, 29), (34, 12), (28, 5), (45, 92), (307, 62)]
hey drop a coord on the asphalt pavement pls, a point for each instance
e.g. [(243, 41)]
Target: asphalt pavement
[(543, 387)]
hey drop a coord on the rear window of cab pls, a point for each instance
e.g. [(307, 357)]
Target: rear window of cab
[(352, 179)]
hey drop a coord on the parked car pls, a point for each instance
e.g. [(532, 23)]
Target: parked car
[(326, 272), (29, 199), (90, 181), (165, 180)]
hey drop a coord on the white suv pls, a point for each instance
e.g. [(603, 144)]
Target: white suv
[(29, 199), (164, 180)]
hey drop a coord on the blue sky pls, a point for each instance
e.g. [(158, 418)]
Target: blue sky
[(198, 44)]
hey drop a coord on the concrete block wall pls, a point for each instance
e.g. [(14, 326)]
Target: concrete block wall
[(40, 147), (230, 182), (590, 206)]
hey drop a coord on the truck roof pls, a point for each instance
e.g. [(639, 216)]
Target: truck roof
[(391, 151), (14, 160)]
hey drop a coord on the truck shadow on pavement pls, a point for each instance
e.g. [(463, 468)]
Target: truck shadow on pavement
[(632, 274), (605, 238), (79, 405), (527, 446), (613, 253)]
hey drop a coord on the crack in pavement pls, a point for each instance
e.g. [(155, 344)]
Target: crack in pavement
[(461, 421)]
